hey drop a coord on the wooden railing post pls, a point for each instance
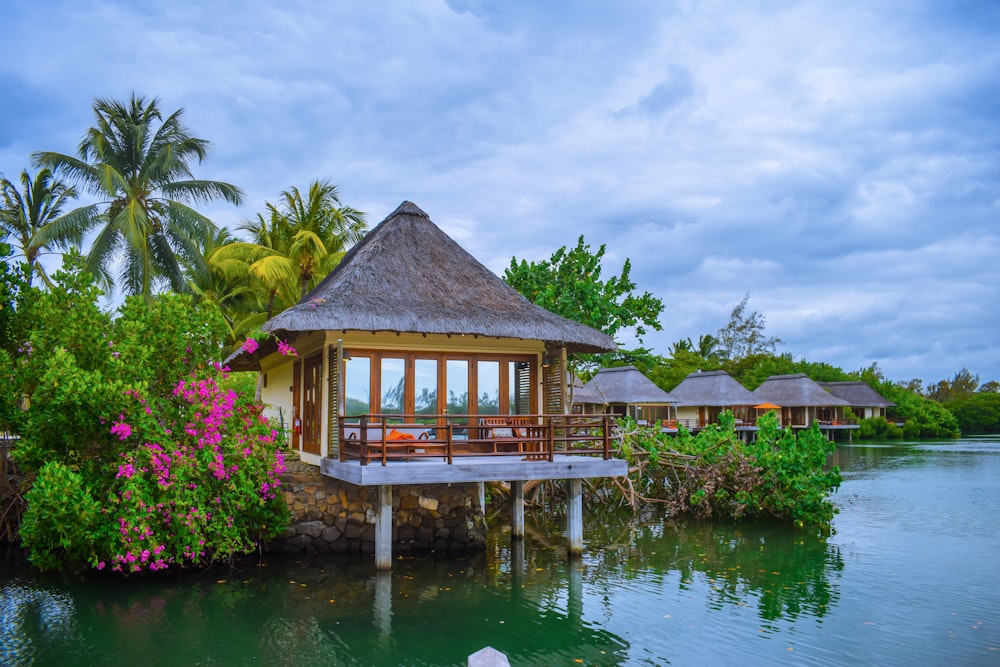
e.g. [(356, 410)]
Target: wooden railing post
[(363, 440)]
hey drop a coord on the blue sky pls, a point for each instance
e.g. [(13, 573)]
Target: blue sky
[(839, 162)]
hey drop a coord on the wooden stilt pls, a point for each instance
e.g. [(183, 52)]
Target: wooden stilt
[(517, 510), (482, 497), (574, 517), (383, 528)]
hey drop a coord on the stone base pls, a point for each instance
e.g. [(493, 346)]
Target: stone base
[(331, 516)]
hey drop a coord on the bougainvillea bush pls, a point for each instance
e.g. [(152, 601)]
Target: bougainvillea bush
[(201, 482), (139, 453)]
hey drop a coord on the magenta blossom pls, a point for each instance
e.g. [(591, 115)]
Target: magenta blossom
[(122, 430), (250, 346), (285, 349)]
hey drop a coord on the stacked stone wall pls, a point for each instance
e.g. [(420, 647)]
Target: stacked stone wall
[(328, 515)]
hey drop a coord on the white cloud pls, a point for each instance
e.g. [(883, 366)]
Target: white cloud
[(839, 163)]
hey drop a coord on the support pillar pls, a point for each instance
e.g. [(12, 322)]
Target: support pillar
[(574, 517), (517, 510), (482, 497), (383, 528)]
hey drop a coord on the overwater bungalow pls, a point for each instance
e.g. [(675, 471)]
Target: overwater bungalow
[(864, 401), (804, 402), (703, 396), (418, 365), (625, 392)]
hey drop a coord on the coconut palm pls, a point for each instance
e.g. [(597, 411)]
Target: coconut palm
[(139, 164), (295, 244), (24, 212), (209, 282), (322, 230)]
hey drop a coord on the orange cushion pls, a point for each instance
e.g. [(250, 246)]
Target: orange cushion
[(396, 435)]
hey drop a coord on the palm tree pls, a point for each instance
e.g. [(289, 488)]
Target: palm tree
[(24, 212), (138, 163), (296, 244), (709, 347), (322, 230), (682, 345), (209, 282)]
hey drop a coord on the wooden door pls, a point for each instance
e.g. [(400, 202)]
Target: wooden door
[(312, 403)]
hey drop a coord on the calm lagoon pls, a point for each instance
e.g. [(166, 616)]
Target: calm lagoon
[(910, 577)]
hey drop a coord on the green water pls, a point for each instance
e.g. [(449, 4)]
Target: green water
[(909, 578)]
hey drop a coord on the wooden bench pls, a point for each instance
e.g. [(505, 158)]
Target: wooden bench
[(513, 434)]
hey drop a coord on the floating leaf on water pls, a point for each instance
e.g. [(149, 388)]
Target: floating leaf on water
[(221, 581)]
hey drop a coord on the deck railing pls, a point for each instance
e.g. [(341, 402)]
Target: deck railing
[(393, 437)]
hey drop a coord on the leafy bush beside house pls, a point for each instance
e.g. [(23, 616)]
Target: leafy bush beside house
[(126, 416)]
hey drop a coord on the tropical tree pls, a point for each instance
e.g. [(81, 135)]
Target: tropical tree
[(26, 211), (138, 163), (209, 282), (743, 335), (569, 284), (298, 242)]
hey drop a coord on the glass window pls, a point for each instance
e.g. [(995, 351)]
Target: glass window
[(488, 387), (393, 386), (425, 383), (458, 386), (357, 386)]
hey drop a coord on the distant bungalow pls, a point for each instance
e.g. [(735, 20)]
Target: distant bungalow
[(804, 401), (625, 391), (864, 401), (702, 396)]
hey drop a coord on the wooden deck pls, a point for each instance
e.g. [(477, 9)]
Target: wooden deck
[(456, 439), (483, 468)]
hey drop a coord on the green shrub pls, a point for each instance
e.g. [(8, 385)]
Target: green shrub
[(62, 520)]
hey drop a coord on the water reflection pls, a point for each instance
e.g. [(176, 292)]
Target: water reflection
[(911, 560)]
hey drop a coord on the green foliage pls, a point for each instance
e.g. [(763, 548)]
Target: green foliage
[(878, 428), (63, 517), (978, 413), (744, 334), (962, 385), (752, 370), (779, 474), (126, 414), (569, 284), (137, 161)]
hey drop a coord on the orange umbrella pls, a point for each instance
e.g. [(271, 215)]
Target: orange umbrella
[(767, 406)]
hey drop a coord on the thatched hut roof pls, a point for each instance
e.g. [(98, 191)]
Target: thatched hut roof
[(712, 389), (857, 393), (585, 394), (408, 276), (795, 391), (624, 384)]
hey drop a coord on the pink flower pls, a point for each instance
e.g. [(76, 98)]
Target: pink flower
[(122, 430), (250, 346), (285, 349)]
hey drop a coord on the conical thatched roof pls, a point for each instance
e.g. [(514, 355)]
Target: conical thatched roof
[(857, 393), (795, 391), (407, 276), (625, 384), (712, 389)]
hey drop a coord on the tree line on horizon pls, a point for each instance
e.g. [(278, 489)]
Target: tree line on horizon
[(148, 238)]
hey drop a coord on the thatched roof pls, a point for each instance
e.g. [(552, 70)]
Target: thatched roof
[(407, 276), (712, 389), (857, 393), (624, 384), (795, 391), (585, 393)]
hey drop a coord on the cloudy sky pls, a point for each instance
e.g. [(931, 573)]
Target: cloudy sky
[(838, 162)]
